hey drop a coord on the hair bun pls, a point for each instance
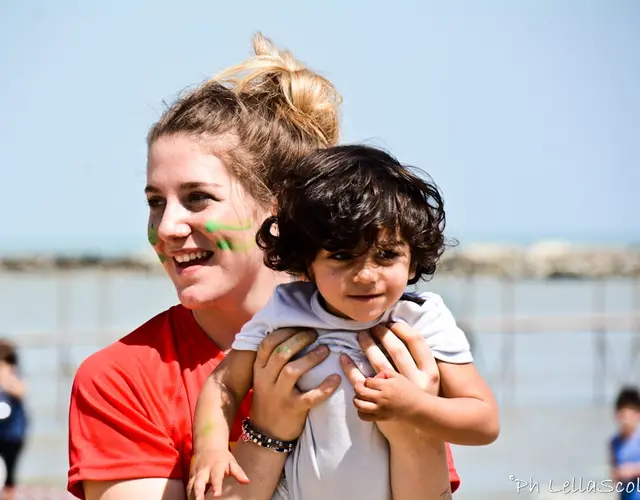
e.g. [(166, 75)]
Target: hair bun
[(304, 97)]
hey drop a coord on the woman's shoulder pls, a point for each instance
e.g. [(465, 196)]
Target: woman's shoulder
[(141, 352)]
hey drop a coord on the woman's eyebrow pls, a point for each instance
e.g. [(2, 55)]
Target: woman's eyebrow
[(149, 189)]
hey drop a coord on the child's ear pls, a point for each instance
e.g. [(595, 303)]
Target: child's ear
[(412, 270), (309, 274)]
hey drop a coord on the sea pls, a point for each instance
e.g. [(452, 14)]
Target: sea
[(555, 388)]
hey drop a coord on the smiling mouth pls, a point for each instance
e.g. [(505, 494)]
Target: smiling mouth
[(193, 259), (365, 297)]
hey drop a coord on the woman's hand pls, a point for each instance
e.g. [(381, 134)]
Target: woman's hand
[(279, 409), (393, 389)]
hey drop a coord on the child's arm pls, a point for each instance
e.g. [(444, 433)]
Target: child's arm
[(215, 412), (468, 412), (467, 415)]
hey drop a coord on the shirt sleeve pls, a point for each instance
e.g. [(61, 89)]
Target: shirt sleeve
[(116, 430), (428, 314), (257, 328)]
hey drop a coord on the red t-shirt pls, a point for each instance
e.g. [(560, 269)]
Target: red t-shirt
[(132, 404)]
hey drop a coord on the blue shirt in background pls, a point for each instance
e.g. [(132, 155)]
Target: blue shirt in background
[(627, 451)]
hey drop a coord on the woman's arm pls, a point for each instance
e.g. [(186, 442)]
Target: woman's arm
[(279, 410)]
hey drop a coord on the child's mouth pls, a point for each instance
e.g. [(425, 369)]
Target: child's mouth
[(365, 298)]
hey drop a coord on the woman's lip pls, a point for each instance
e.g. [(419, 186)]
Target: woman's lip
[(183, 268), (186, 251)]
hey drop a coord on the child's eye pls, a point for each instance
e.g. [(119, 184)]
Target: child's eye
[(388, 255), (341, 256)]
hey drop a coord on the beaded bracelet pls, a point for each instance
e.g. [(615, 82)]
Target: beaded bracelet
[(251, 434)]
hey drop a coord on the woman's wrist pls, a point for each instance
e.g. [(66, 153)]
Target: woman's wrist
[(281, 429), (250, 434)]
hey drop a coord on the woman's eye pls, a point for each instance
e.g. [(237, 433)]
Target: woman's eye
[(198, 197), (155, 202)]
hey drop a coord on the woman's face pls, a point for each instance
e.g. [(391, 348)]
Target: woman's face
[(202, 223)]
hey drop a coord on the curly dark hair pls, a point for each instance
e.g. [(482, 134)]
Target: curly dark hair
[(342, 196)]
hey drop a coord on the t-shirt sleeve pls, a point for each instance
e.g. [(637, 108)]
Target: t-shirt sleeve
[(429, 315), (116, 429), (262, 323)]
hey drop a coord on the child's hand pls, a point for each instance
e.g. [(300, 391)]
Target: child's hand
[(211, 467), (388, 395)]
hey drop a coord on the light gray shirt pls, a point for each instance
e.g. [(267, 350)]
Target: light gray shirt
[(339, 456)]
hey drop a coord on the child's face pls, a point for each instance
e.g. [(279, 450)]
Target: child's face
[(628, 419), (362, 287)]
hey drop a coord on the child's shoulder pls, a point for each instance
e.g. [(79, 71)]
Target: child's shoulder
[(294, 293), (422, 300), (420, 308)]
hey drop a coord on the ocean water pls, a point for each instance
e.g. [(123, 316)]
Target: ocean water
[(555, 388)]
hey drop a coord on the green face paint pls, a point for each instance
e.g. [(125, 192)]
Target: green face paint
[(212, 226), (162, 258), (223, 245), (152, 235), (234, 246)]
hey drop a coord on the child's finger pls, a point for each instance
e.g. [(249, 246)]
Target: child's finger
[(190, 493), (368, 417), (366, 392), (376, 384), (236, 471), (216, 479), (365, 406), (200, 481)]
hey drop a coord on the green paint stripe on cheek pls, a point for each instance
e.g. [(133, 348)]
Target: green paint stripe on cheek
[(234, 246), (212, 226), (223, 245), (152, 235)]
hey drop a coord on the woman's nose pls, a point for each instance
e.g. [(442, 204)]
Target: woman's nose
[(174, 223)]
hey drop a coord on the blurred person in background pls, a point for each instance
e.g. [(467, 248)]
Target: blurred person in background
[(13, 417), (215, 161), (625, 444)]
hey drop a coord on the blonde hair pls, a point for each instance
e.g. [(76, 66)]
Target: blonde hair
[(275, 109)]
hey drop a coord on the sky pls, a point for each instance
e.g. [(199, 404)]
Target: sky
[(526, 114)]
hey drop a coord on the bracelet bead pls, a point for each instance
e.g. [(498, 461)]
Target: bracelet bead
[(251, 434)]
